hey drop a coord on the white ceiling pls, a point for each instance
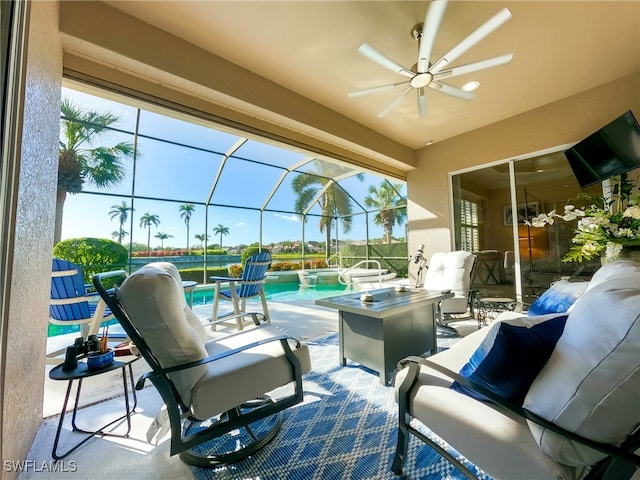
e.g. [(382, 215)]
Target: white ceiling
[(310, 47)]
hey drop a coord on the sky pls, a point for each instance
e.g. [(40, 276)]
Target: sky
[(184, 167)]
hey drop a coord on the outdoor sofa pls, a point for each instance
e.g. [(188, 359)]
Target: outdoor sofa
[(578, 371)]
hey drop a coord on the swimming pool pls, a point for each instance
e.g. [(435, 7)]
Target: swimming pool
[(276, 292)]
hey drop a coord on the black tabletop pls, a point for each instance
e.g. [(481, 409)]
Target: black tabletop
[(82, 371)]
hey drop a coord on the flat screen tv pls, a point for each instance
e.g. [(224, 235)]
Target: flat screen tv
[(612, 150)]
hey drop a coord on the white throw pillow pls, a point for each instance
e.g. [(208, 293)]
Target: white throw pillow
[(617, 268), (591, 382)]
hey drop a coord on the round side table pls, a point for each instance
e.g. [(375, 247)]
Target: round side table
[(79, 373)]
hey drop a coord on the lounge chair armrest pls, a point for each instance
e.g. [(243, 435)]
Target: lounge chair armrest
[(501, 404), (224, 279), (176, 368), (225, 318)]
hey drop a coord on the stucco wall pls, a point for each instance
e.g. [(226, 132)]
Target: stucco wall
[(559, 123), (28, 305)]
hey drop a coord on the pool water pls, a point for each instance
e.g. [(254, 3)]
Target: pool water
[(277, 292)]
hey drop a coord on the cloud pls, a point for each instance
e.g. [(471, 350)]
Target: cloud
[(290, 218)]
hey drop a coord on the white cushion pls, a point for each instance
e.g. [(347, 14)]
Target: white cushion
[(451, 271), (191, 317), (591, 382), (615, 269), (235, 379), (153, 298)]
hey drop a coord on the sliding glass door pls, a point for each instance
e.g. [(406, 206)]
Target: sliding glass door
[(491, 205)]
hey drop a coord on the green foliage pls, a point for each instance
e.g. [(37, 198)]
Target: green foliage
[(197, 274), (392, 256), (95, 255), (235, 270), (289, 266), (215, 251), (250, 251)]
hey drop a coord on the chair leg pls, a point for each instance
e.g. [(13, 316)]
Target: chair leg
[(401, 448), (265, 310)]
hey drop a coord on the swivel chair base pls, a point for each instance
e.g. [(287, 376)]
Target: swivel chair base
[(236, 444)]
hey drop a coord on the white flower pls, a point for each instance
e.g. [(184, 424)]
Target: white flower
[(571, 213), (624, 233), (613, 250), (633, 212), (543, 219)]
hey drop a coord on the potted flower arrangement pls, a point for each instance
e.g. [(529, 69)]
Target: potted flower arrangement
[(606, 225)]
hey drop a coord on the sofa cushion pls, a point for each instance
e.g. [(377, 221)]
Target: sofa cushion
[(511, 356), (558, 298), (591, 382)]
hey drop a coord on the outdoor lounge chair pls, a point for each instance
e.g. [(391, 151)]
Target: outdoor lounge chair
[(250, 285), (452, 271), (214, 389), (71, 305)]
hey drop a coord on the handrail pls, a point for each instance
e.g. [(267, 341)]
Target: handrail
[(337, 256), (342, 280)]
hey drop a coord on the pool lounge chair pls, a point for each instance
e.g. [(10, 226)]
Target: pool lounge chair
[(71, 305), (250, 285)]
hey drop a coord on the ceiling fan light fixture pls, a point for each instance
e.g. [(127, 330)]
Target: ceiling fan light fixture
[(426, 73), (470, 86)]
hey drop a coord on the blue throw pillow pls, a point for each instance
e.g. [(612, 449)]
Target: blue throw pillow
[(510, 357), (558, 298)]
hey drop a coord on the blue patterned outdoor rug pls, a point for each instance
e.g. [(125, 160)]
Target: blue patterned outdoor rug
[(345, 429)]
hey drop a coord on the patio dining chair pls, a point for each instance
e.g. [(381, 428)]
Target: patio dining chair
[(249, 285), (214, 387), (71, 305)]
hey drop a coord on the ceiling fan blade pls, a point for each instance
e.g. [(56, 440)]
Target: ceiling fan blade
[(453, 91), (422, 102), (395, 102), (429, 30), (373, 54), (474, 67), (485, 29), (380, 88)]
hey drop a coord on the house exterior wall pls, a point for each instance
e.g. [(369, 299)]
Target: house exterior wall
[(23, 383), (563, 122)]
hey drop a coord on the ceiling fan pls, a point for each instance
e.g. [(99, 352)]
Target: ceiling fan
[(426, 74)]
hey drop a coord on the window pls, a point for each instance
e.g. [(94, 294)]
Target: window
[(469, 225)]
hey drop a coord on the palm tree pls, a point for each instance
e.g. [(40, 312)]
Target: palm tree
[(334, 202), (146, 221), (122, 213), (390, 204), (119, 234), (79, 161), (185, 212), (162, 236), (221, 230), (203, 237)]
